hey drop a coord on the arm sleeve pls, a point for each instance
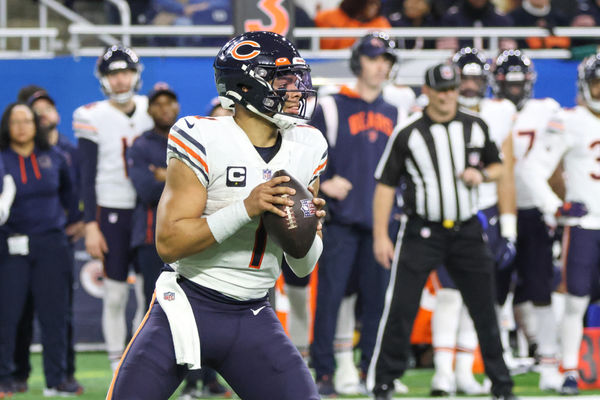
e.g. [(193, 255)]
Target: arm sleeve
[(68, 197), (147, 187), (186, 147), (305, 265), (490, 153), (88, 160), (392, 163)]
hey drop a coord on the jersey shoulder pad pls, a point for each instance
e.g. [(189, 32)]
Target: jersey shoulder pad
[(186, 144), (84, 122)]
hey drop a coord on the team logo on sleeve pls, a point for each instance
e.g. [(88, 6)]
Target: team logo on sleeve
[(236, 177)]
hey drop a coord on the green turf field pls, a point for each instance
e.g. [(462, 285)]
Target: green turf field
[(93, 372)]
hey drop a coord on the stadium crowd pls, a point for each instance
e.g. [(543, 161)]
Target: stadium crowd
[(471, 155)]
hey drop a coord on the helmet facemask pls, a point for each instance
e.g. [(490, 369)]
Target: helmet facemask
[(471, 96), (283, 94), (589, 74), (124, 97)]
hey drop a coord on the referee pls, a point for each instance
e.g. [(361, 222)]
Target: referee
[(442, 154)]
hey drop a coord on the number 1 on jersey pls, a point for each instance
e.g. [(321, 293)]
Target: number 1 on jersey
[(260, 244)]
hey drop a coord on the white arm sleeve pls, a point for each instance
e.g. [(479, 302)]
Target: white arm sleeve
[(305, 265), (7, 197)]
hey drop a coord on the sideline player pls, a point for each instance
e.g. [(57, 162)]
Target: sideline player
[(514, 76), (212, 308), (573, 137), (452, 327), (105, 129)]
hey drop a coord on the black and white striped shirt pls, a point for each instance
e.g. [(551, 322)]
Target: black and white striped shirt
[(430, 157)]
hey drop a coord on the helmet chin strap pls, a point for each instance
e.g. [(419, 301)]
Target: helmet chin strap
[(283, 122), (121, 98), (589, 100)]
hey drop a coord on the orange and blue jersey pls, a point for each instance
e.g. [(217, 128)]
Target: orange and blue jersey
[(148, 149), (44, 192), (356, 141)]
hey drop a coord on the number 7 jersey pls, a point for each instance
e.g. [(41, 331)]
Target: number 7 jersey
[(529, 127), (247, 264)]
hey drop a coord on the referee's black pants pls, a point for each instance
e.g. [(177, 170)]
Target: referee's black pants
[(423, 247)]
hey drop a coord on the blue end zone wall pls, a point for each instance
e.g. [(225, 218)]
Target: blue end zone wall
[(72, 83)]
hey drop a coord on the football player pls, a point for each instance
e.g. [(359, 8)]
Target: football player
[(573, 137), (212, 307), (105, 130), (452, 328), (514, 76)]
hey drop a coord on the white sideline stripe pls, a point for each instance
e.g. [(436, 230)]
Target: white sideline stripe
[(595, 397)]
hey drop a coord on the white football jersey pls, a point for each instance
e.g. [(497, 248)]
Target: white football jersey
[(499, 115), (573, 136), (228, 165), (529, 127), (113, 132)]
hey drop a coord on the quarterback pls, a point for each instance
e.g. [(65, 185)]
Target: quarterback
[(210, 304)]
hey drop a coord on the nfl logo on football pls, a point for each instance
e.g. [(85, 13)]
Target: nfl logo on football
[(169, 296), (308, 207)]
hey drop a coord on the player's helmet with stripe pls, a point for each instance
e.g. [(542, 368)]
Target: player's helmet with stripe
[(514, 77), (372, 45), (588, 71), (251, 70), (117, 58), (474, 67)]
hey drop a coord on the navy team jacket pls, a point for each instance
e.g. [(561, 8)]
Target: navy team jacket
[(149, 148), (362, 132), (44, 192)]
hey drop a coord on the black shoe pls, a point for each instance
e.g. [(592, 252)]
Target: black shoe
[(508, 396), (64, 389), (325, 387), (439, 393), (383, 392)]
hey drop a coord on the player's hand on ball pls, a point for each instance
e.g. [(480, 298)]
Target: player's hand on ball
[(266, 195), (319, 204)]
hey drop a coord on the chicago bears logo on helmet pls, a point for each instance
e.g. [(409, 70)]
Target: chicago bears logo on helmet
[(240, 50)]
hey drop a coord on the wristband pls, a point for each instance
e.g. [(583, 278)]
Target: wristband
[(228, 220), (508, 226)]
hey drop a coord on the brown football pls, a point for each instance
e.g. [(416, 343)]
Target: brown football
[(295, 232)]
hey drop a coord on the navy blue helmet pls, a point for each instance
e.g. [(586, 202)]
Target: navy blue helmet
[(246, 69), (589, 70), (514, 77), (117, 58), (372, 45), (473, 65)]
